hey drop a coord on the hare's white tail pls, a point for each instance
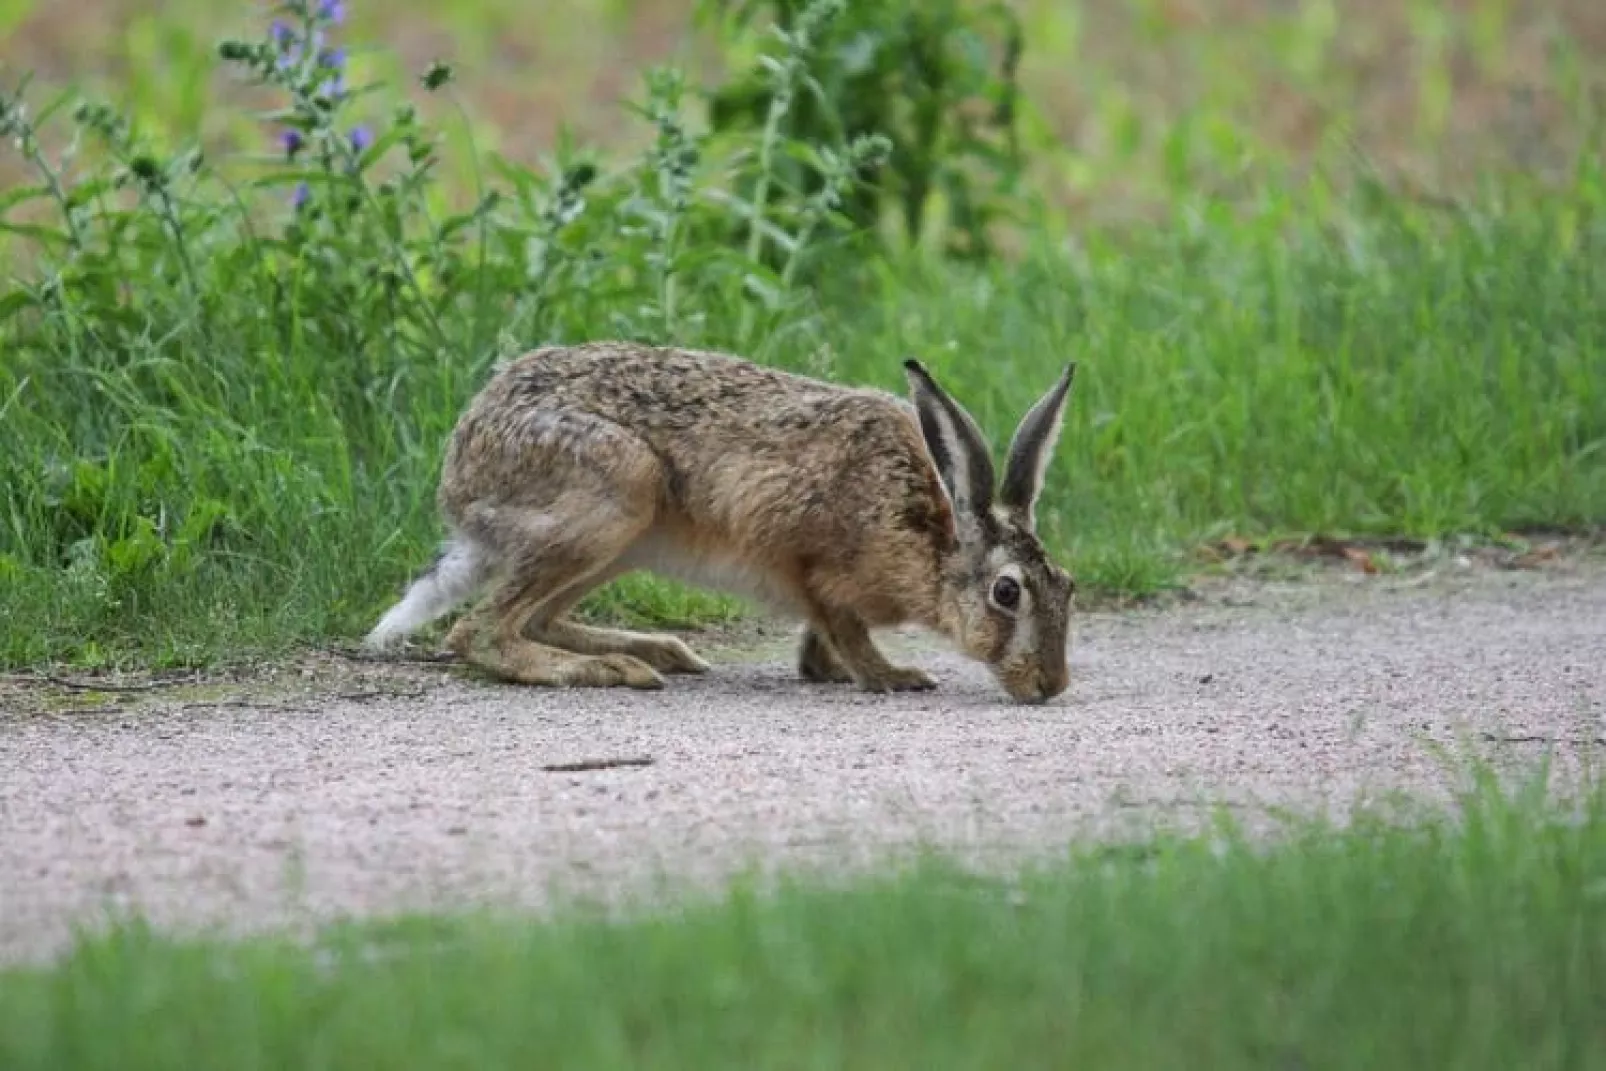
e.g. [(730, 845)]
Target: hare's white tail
[(456, 573)]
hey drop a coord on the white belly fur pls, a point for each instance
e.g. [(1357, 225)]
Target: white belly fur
[(713, 569)]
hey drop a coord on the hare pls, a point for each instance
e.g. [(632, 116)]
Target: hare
[(849, 508)]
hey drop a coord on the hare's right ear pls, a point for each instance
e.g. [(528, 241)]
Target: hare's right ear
[(955, 442), (1030, 450)]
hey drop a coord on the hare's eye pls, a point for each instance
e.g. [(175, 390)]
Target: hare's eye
[(1006, 592)]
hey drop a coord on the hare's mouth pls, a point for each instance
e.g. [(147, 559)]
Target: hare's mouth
[(1030, 687), (1028, 683)]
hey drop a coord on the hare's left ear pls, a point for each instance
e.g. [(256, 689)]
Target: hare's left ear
[(955, 442), (1030, 451)]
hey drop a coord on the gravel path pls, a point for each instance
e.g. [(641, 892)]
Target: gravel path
[(341, 787)]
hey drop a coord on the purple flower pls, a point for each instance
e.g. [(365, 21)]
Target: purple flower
[(334, 58), (333, 87), (281, 34), (292, 141), (299, 196), (332, 10), (361, 138)]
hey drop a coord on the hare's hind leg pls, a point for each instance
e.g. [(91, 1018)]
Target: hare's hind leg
[(551, 569), (563, 538)]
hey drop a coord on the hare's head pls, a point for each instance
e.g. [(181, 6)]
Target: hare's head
[(1005, 603)]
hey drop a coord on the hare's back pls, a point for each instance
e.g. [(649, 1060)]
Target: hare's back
[(750, 464), (718, 422), (677, 398)]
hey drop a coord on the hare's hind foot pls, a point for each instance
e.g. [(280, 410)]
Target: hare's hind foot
[(528, 662), (546, 659), (668, 654)]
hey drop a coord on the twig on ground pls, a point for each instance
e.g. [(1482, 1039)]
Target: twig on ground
[(585, 765), (240, 704), (379, 693)]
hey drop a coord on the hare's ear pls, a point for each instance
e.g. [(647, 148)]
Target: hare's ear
[(955, 442), (1030, 451)]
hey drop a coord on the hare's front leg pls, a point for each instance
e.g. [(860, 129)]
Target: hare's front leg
[(849, 637), (817, 662)]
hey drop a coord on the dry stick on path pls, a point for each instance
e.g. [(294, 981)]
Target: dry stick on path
[(586, 765)]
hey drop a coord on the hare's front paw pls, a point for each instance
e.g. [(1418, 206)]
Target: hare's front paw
[(841, 640), (898, 679)]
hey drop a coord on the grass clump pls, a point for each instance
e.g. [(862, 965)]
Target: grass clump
[(225, 383), (1477, 941)]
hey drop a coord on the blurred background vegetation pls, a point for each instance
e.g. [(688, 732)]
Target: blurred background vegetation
[(1120, 101), (1329, 268)]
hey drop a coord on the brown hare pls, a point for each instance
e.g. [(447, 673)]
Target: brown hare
[(848, 508)]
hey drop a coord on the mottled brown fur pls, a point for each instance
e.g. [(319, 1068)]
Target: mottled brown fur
[(577, 464)]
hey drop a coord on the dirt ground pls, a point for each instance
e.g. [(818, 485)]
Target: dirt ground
[(335, 787)]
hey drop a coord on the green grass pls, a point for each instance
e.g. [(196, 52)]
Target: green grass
[(1475, 941), (221, 421), (1442, 381)]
